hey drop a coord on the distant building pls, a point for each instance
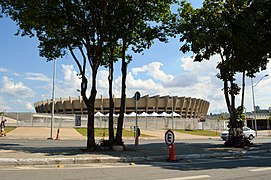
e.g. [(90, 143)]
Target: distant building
[(187, 107)]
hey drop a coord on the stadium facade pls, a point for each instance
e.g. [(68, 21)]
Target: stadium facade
[(187, 107)]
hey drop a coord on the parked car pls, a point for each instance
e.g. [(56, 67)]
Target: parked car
[(249, 133)]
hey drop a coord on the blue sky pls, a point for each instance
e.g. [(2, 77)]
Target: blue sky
[(26, 78)]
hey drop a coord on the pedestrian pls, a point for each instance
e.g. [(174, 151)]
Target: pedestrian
[(2, 126)]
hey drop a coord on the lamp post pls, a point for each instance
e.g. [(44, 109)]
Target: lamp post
[(53, 101), (137, 97), (172, 117), (253, 98)]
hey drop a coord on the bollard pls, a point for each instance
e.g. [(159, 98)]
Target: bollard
[(57, 135), (172, 156), (170, 138)]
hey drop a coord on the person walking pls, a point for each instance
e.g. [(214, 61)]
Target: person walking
[(2, 126)]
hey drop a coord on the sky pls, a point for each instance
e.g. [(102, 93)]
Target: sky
[(26, 78)]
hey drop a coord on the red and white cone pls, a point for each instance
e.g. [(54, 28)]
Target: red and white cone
[(172, 156)]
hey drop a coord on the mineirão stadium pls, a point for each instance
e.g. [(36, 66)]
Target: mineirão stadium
[(186, 107)]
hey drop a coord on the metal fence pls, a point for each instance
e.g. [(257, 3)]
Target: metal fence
[(73, 120), (145, 123)]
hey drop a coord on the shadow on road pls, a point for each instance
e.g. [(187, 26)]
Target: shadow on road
[(69, 148)]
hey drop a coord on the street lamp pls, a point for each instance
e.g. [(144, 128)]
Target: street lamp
[(53, 101), (253, 98), (137, 97), (172, 117)]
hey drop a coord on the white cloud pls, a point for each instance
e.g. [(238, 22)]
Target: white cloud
[(183, 80), (209, 87), (16, 89), (206, 67), (29, 106), (102, 79), (187, 83), (3, 70), (24, 104), (3, 105), (70, 76), (16, 74), (196, 80), (153, 70), (261, 90), (68, 86), (37, 77), (144, 86)]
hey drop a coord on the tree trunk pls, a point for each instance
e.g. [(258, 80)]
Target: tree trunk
[(111, 102), (243, 90), (236, 137), (123, 98), (91, 145)]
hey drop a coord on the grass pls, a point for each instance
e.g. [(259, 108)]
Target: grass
[(199, 132), (100, 132), (9, 128)]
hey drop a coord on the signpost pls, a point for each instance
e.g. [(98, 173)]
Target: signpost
[(137, 97), (169, 139)]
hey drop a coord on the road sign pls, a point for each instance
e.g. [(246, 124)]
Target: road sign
[(169, 137), (137, 96)]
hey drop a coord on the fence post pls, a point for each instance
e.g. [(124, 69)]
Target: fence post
[(124, 123), (60, 121), (17, 119), (31, 119)]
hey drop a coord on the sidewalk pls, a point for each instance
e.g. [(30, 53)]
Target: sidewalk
[(29, 146), (71, 133), (44, 133)]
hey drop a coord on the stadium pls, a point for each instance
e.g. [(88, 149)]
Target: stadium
[(185, 107)]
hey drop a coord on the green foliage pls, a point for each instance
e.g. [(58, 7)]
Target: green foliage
[(9, 128), (230, 29), (239, 118), (103, 132), (93, 32), (198, 132), (235, 30)]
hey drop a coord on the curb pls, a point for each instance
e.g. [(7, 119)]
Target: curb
[(86, 160)]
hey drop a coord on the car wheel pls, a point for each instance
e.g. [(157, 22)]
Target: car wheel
[(250, 137)]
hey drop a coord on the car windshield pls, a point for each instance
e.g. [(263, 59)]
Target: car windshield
[(246, 129)]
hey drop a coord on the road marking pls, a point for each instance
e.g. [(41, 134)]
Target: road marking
[(261, 169), (187, 177)]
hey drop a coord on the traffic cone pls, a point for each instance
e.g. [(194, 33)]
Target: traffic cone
[(57, 135), (172, 156)]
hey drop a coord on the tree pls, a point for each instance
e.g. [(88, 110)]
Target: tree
[(132, 25), (232, 29), (141, 23), (111, 54), (90, 31), (78, 27)]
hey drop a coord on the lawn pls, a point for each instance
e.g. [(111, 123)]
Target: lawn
[(199, 132), (9, 128), (103, 132)]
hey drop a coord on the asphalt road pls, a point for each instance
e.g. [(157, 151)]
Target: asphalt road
[(24, 148), (248, 168)]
